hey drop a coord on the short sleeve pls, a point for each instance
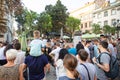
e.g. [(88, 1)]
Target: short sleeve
[(105, 59), (26, 60), (45, 60)]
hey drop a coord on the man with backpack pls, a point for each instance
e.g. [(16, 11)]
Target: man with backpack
[(104, 63), (105, 60)]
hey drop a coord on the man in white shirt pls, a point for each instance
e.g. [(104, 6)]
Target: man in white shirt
[(2, 56), (56, 51)]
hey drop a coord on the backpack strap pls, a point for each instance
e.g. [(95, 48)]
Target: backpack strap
[(101, 55), (87, 71)]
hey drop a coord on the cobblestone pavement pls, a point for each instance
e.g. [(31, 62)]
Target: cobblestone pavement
[(51, 74)]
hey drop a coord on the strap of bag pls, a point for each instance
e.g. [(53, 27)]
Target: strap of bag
[(87, 71), (28, 73), (101, 55)]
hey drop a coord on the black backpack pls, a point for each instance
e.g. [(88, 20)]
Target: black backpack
[(114, 66)]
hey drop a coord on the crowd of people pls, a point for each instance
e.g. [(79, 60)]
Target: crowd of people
[(88, 60)]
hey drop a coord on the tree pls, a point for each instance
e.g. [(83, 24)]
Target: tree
[(96, 28), (27, 19), (44, 22), (72, 24), (58, 14), (107, 29), (113, 30), (8, 7)]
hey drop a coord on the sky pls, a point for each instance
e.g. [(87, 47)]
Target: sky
[(39, 5)]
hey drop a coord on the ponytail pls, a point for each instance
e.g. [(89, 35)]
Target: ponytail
[(76, 74)]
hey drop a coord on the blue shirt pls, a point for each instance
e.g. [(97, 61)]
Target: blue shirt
[(36, 66), (35, 47), (72, 51), (96, 54)]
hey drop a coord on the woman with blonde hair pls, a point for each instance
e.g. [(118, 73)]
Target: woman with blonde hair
[(70, 64)]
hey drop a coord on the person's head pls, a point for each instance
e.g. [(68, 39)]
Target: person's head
[(48, 44), (88, 43), (96, 41), (57, 44), (11, 55), (103, 45), (62, 53), (36, 34), (83, 55), (102, 37), (9, 46), (79, 46), (17, 46), (70, 63)]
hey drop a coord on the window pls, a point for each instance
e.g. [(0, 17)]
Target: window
[(99, 23), (93, 15), (113, 21), (99, 15), (86, 25), (105, 13), (105, 22), (113, 12), (81, 26), (90, 24)]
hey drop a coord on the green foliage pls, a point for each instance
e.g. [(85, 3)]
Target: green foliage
[(44, 22), (72, 24), (27, 20), (96, 28), (108, 29), (58, 14), (87, 31)]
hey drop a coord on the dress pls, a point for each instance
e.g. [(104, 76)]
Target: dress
[(9, 73)]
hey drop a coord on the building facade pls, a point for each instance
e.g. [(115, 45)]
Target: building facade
[(107, 15), (85, 15), (100, 12)]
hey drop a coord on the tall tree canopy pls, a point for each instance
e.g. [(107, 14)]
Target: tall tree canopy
[(27, 19), (44, 22), (58, 12), (72, 24)]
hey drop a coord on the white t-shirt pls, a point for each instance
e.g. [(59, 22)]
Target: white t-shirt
[(2, 56), (82, 70), (20, 57), (60, 70), (56, 52)]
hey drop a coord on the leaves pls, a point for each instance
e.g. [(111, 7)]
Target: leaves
[(96, 28), (108, 29), (58, 13), (44, 22), (72, 24)]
